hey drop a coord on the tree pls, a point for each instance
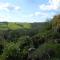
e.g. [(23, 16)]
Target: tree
[(56, 23)]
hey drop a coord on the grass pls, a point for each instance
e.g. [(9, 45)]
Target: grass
[(14, 26)]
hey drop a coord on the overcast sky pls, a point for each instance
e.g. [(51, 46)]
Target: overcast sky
[(28, 10)]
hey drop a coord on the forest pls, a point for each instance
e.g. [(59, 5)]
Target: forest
[(30, 41)]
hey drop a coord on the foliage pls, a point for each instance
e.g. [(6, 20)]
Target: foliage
[(30, 41)]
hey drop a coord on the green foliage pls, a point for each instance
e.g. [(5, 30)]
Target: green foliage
[(47, 50), (11, 52), (56, 23), (30, 41), (1, 49)]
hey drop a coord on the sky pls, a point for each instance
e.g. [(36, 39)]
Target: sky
[(28, 10)]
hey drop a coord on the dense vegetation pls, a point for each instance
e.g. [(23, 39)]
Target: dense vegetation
[(30, 41)]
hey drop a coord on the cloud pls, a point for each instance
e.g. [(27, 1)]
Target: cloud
[(29, 15), (35, 14), (41, 16), (48, 7), (2, 18), (8, 7), (54, 2), (40, 13), (5, 18), (53, 5)]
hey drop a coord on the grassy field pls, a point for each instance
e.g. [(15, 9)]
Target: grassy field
[(14, 26)]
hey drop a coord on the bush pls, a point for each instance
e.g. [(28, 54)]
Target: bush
[(47, 51), (1, 49)]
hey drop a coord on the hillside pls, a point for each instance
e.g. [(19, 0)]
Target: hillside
[(13, 26), (30, 41)]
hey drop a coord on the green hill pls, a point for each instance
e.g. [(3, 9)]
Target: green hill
[(14, 26), (30, 41)]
